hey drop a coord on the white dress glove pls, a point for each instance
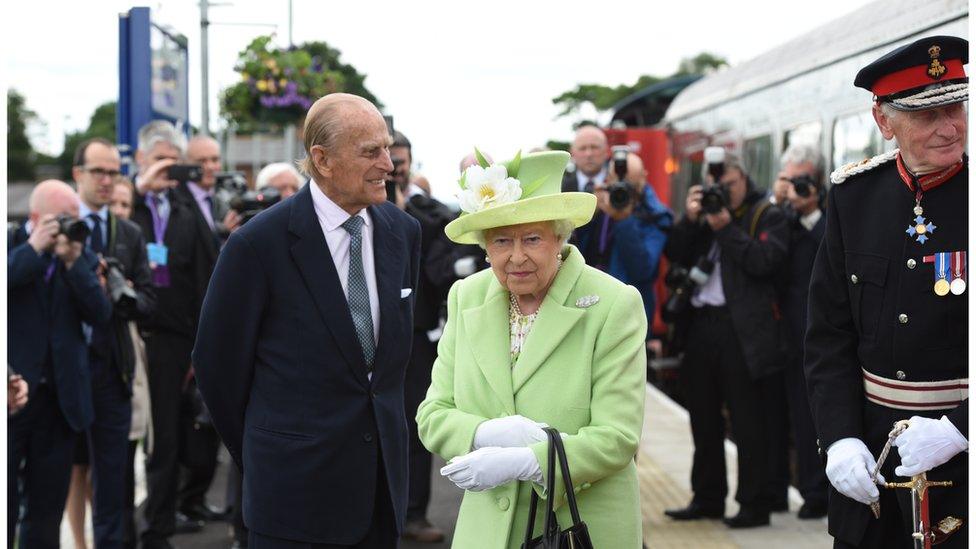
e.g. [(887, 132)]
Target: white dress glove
[(849, 467), (509, 432), (487, 468), (464, 267), (926, 444)]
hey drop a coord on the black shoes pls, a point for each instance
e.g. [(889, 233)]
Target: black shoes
[(812, 510), (695, 511), (748, 518), (780, 507), (205, 513), (186, 525)]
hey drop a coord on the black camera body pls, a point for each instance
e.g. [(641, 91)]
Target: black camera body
[(251, 203), (803, 184), (75, 229), (118, 289), (715, 196), (682, 283), (234, 182), (621, 193), (185, 172)]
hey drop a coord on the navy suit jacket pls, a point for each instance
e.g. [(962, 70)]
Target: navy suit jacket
[(44, 323), (282, 372)]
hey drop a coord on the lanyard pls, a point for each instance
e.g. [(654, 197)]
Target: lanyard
[(159, 222)]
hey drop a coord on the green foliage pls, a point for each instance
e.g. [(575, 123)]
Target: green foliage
[(21, 157), (603, 97), (278, 85), (101, 124)]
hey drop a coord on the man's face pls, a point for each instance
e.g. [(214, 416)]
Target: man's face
[(401, 162), (782, 185), (97, 175), (929, 140), (803, 204), (121, 205), (589, 150), (206, 153), (354, 173), (159, 151), (735, 181), (286, 183)]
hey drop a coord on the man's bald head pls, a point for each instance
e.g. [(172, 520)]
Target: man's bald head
[(328, 118), (636, 174), (205, 151), (589, 150), (53, 197)]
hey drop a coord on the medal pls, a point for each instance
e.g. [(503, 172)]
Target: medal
[(958, 267), (942, 285)]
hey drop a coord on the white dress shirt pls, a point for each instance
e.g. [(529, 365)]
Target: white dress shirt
[(331, 217), (598, 179), (711, 293), (809, 221)]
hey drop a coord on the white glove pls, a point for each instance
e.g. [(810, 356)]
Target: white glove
[(849, 467), (487, 468), (465, 266), (926, 444), (509, 432)]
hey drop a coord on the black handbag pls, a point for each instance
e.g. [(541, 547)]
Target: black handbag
[(574, 537)]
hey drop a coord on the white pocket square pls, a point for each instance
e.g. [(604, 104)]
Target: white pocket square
[(405, 292)]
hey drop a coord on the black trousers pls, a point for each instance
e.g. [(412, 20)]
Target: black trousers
[(40, 444), (414, 390), (199, 445), (129, 537), (810, 468), (168, 362), (714, 373), (108, 441), (381, 534), (772, 391)]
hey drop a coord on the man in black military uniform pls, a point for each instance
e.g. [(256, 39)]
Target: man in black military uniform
[(887, 330)]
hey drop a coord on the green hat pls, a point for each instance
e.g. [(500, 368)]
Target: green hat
[(522, 190)]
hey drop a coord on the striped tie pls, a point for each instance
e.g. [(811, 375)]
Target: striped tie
[(358, 296)]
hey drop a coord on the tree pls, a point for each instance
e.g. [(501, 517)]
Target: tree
[(21, 156), (101, 124), (603, 97)]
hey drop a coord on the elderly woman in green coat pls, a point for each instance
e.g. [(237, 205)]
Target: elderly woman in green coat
[(539, 339)]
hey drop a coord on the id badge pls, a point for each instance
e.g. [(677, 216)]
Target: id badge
[(158, 254)]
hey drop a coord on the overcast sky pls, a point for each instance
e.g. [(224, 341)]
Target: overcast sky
[(453, 74)]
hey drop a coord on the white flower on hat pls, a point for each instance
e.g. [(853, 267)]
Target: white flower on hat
[(487, 187)]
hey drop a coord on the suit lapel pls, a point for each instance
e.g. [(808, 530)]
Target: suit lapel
[(311, 254), (487, 331), (554, 322), (388, 259)]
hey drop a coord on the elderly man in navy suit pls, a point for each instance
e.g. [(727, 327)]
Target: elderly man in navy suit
[(304, 339), (52, 288)]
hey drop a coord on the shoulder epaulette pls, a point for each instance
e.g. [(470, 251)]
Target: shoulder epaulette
[(847, 170)]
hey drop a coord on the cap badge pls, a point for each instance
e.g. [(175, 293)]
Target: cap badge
[(936, 68)]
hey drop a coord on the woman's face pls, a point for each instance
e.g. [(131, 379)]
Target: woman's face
[(523, 257), (121, 205)]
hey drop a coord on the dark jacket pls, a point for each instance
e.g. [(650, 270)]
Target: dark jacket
[(282, 372), (867, 273), (635, 247), (803, 251), (437, 259), (751, 262), (126, 244), (192, 253), (44, 333)]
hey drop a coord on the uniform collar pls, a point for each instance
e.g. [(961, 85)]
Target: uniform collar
[(928, 181)]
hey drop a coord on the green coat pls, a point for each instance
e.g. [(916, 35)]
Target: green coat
[(582, 370)]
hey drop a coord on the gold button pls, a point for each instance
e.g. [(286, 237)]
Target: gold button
[(900, 374), (853, 279), (911, 263), (903, 318), (503, 503)]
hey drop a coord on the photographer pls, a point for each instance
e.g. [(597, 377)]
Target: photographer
[(52, 288), (281, 176), (181, 251), (736, 241), (627, 234), (111, 355)]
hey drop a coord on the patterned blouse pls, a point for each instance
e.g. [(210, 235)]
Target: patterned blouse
[(519, 327)]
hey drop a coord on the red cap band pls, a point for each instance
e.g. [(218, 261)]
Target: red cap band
[(915, 77)]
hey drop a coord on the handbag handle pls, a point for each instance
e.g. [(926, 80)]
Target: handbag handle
[(556, 448), (534, 500), (557, 440)]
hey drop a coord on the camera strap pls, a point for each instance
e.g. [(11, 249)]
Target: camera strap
[(756, 216)]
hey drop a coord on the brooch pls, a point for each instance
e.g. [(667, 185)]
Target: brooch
[(587, 301)]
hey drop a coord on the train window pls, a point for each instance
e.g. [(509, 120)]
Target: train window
[(856, 137), (757, 155), (808, 133)]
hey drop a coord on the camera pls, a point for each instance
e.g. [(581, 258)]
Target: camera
[(803, 184), (715, 196), (75, 229), (683, 282), (184, 172), (118, 289), (621, 193), (234, 182), (251, 203)]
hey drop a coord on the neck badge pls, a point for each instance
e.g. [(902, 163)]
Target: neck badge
[(922, 228)]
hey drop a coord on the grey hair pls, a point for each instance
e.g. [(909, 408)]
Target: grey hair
[(161, 131), (732, 160), (799, 153), (272, 171), (888, 110), (563, 228)]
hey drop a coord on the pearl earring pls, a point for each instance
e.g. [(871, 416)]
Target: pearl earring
[(487, 259), (559, 256)]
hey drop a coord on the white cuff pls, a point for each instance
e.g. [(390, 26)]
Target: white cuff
[(959, 441)]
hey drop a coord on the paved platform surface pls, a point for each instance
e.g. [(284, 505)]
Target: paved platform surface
[(664, 467)]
